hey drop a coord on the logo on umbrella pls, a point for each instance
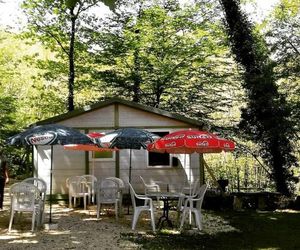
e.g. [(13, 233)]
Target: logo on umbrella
[(172, 144), (202, 144), (175, 137), (204, 136), (41, 139)]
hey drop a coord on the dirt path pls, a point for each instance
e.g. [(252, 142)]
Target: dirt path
[(77, 229)]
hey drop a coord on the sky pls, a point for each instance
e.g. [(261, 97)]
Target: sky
[(11, 15)]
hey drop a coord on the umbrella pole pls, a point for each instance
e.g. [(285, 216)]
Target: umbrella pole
[(129, 176), (130, 166), (93, 159), (190, 189), (50, 199)]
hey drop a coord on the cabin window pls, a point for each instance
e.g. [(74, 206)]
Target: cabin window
[(102, 156), (158, 159)]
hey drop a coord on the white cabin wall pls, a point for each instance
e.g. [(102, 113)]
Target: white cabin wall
[(68, 163), (130, 117), (103, 117)]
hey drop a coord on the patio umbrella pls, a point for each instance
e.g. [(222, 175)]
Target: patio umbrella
[(191, 141), (127, 138), (89, 147), (49, 134)]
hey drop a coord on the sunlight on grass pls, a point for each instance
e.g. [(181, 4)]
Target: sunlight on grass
[(213, 224), (287, 211), (273, 218), (170, 231)]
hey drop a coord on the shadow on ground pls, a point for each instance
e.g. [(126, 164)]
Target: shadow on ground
[(79, 229)]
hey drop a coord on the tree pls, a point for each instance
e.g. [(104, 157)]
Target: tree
[(166, 56), (62, 24), (265, 119), (282, 29)]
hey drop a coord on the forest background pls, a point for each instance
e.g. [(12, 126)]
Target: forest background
[(165, 54)]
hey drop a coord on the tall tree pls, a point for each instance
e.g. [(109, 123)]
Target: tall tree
[(61, 24), (282, 31), (265, 119), (166, 56)]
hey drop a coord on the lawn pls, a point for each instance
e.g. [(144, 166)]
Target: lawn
[(230, 230)]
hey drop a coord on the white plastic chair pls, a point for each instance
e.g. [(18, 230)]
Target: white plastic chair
[(107, 193), (152, 188), (91, 181), (148, 206), (189, 192), (121, 189), (77, 189), (23, 199), (42, 187), (190, 209)]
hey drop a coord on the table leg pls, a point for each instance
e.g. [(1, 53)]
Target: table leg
[(165, 217)]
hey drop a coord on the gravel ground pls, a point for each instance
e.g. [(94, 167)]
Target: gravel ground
[(76, 229), (80, 229)]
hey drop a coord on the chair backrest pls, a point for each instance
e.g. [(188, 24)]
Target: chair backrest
[(200, 196), (90, 178), (150, 187), (133, 195), (40, 184), (76, 184), (190, 188), (23, 196), (195, 187), (107, 191), (119, 181)]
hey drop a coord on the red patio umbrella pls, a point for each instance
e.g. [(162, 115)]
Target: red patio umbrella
[(191, 141)]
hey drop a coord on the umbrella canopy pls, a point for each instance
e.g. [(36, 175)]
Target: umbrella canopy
[(87, 147), (226, 145), (191, 141), (127, 138), (49, 134)]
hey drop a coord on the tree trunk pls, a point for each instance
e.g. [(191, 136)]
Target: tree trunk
[(71, 79), (136, 78)]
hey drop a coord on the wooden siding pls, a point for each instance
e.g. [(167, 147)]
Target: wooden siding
[(103, 117), (130, 117)]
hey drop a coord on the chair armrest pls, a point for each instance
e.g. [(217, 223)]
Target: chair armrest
[(142, 197)]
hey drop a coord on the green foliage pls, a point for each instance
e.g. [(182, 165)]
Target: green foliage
[(164, 55), (265, 119), (62, 26), (282, 31), (158, 52), (24, 97)]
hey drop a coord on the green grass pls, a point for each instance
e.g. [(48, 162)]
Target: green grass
[(230, 230)]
